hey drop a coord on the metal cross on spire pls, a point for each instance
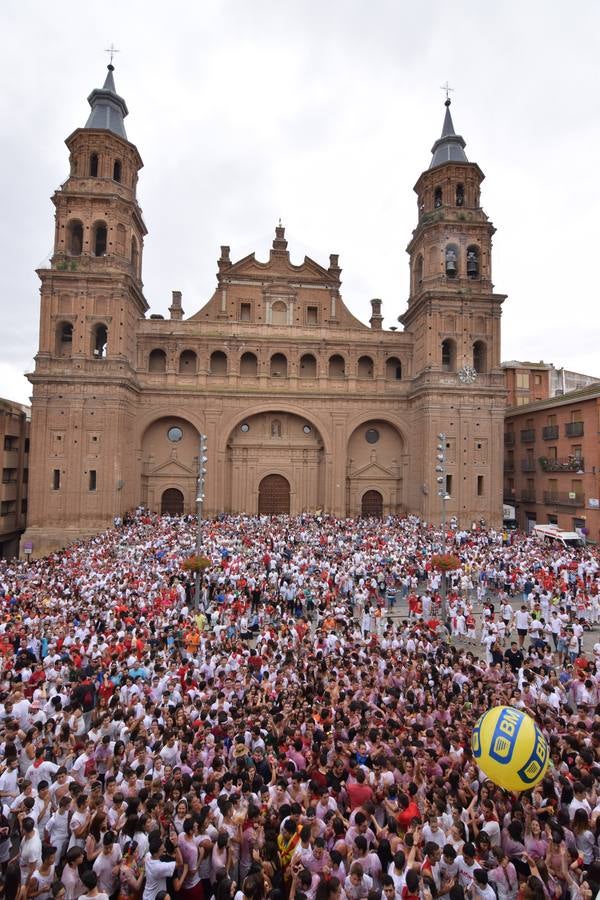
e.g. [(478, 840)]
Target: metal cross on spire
[(446, 87), (112, 50)]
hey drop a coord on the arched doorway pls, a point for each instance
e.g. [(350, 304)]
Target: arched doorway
[(274, 496), (372, 505), (171, 502), (275, 441), (375, 454)]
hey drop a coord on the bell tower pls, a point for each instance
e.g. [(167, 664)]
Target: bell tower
[(91, 299), (98, 240), (454, 316)]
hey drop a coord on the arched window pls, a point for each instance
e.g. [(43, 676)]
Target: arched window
[(473, 262), (134, 256), (308, 366), (64, 339), (74, 238), (451, 261), (365, 367), (279, 313), (437, 198), (94, 165), (157, 361), (418, 271), (188, 363), (337, 366), (279, 365), (99, 341), (100, 239), (248, 364), (275, 428), (218, 363), (480, 356), (393, 368), (117, 168), (460, 195), (448, 355)]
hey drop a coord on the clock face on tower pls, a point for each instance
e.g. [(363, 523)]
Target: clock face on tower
[(467, 375)]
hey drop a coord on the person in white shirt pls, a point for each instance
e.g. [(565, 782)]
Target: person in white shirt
[(433, 832), (70, 878), (522, 619), (78, 769), (30, 850), (106, 864), (90, 882), (480, 888), (579, 801), (9, 788), (466, 865), (20, 711), (170, 752), (536, 632), (357, 884), (57, 827), (156, 870), (41, 769)]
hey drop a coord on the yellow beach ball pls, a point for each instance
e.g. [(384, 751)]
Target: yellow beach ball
[(510, 749)]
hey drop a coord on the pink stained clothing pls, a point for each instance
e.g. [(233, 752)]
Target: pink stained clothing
[(536, 847)]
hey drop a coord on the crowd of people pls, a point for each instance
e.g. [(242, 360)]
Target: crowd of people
[(297, 723)]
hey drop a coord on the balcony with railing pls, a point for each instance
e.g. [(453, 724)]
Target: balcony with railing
[(564, 498), (509, 465), (528, 465), (509, 439), (574, 429), (527, 435), (550, 432), (564, 464), (528, 496)]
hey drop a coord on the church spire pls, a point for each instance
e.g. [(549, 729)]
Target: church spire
[(450, 146), (108, 109)]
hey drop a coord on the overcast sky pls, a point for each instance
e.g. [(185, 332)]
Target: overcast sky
[(323, 114)]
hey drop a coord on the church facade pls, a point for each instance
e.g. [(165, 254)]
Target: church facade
[(305, 408)]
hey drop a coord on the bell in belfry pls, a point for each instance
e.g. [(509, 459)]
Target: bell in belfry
[(472, 264), (450, 261)]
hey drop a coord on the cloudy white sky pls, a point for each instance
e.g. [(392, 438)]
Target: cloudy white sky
[(323, 114)]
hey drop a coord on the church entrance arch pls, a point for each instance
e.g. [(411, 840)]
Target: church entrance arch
[(171, 502), (274, 496), (169, 457), (374, 469), (269, 443), (372, 505)]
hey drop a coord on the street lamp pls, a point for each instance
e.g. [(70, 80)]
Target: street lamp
[(440, 473), (202, 460), (440, 477)]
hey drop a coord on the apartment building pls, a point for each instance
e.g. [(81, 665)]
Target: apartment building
[(552, 462), (14, 445)]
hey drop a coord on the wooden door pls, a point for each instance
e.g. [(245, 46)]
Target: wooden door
[(372, 505), (172, 502), (274, 496)]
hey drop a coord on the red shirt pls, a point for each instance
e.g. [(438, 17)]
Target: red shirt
[(358, 794), (405, 817)]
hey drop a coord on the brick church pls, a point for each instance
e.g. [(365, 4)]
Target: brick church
[(305, 408)]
